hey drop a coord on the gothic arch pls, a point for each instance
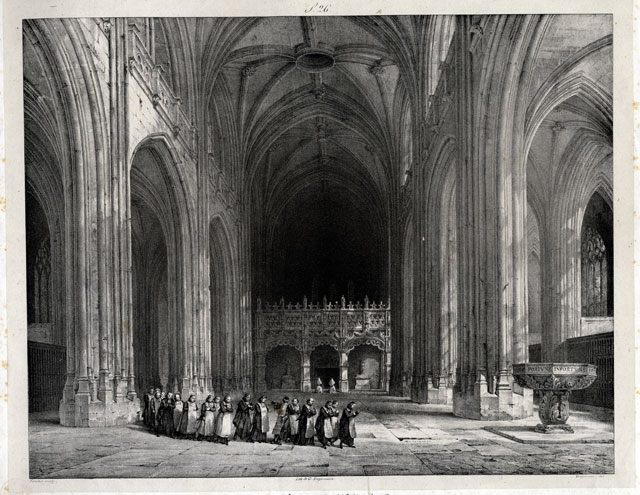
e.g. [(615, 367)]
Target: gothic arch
[(225, 333), (155, 182)]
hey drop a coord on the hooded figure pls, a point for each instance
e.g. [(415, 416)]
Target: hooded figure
[(335, 421), (260, 421), (319, 388), (306, 423), (190, 415), (242, 419), (348, 425), (324, 429), (224, 421)]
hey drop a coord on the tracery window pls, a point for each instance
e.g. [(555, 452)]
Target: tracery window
[(594, 274), (42, 283)]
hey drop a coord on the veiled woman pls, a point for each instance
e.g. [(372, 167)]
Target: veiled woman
[(291, 423), (224, 421), (146, 414), (348, 425), (190, 415), (324, 429), (260, 425), (154, 412), (207, 423), (177, 413), (242, 419), (306, 423), (166, 412)]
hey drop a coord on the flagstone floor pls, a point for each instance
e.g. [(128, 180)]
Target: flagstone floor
[(395, 437)]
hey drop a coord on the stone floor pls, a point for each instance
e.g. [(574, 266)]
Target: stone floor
[(395, 437)]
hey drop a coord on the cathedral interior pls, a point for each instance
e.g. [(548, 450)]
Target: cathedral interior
[(406, 205)]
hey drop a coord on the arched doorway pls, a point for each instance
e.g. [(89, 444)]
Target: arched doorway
[(283, 369), (365, 368), (325, 364)]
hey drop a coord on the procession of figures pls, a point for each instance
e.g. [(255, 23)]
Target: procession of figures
[(216, 420)]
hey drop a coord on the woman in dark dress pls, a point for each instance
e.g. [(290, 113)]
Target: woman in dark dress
[(291, 425), (279, 429), (242, 419), (306, 423), (348, 425), (224, 421), (324, 430), (260, 426), (166, 411), (146, 413), (154, 412)]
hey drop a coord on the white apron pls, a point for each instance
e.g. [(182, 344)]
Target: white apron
[(293, 423), (310, 427), (264, 418), (224, 424), (177, 415)]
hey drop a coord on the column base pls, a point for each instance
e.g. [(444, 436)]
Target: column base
[(506, 405), (540, 428), (425, 393), (82, 412)]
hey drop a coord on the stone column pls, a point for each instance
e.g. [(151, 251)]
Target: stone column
[(306, 371), (344, 372), (492, 290)]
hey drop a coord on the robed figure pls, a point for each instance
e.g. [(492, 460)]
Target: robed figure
[(242, 419), (291, 424), (190, 414), (224, 421), (166, 412), (306, 423), (324, 428), (348, 425), (260, 425)]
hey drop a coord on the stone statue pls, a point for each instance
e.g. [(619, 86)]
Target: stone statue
[(363, 382), (343, 302), (287, 382), (366, 302)]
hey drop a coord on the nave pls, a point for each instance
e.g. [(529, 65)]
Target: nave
[(395, 437)]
